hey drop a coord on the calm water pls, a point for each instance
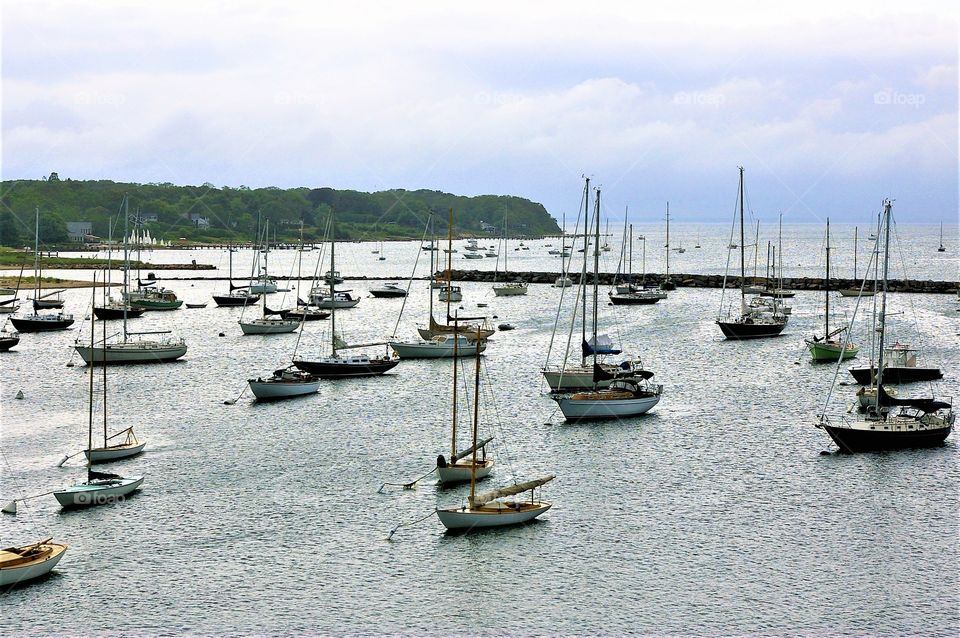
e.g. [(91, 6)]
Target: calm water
[(715, 513)]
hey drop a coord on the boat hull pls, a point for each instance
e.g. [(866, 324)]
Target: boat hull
[(431, 350), (98, 492), (737, 330), (467, 518), (131, 353), (235, 301), (459, 472), (594, 409), (635, 299), (114, 452), (865, 439), (10, 576), (855, 292), (510, 290), (896, 374), (268, 327), (345, 369), (8, 342), (826, 352), (384, 293), (27, 324), (271, 391), (156, 304), (108, 312)]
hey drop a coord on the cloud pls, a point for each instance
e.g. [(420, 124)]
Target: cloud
[(656, 104)]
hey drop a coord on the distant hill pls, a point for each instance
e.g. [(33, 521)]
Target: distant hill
[(207, 213)]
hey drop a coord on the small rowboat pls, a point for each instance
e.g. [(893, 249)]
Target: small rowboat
[(196, 305)]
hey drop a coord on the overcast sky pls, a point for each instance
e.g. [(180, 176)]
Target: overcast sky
[(829, 109)]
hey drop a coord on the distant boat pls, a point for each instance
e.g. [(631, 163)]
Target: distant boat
[(941, 248), (388, 290), (832, 346), (37, 322), (265, 324), (513, 288), (236, 295), (855, 292)]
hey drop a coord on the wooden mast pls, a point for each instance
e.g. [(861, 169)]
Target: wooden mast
[(93, 300), (826, 312), (332, 282), (476, 418), (583, 273)]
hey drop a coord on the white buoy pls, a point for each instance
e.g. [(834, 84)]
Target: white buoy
[(10, 508), (19, 394)]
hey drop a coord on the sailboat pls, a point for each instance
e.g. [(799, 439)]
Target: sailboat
[(435, 329), (41, 322), (8, 339), (284, 384), (459, 468), (335, 366), (626, 396), (857, 291), (890, 423), (381, 257), (236, 295), (116, 308), (753, 322), (265, 324), (629, 294), (833, 345), (778, 291), (489, 509), (27, 562), (941, 249), (127, 350), (508, 288), (666, 284), (100, 487)]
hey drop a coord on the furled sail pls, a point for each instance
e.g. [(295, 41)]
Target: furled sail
[(459, 455), (482, 499), (924, 405), (600, 344)]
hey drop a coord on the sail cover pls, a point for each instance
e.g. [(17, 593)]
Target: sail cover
[(924, 405), (482, 499), (600, 344)]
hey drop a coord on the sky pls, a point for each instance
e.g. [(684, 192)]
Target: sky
[(828, 108)]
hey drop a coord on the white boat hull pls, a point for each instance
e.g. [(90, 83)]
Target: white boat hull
[(326, 304), (264, 390), (581, 409), (114, 452), (98, 492), (14, 575), (431, 350), (132, 352), (490, 515), (268, 326), (509, 290), (459, 472), (571, 379)]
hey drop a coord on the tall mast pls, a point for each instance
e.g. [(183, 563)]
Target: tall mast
[(643, 261), (109, 258), (631, 253), (596, 274), (456, 356), (476, 418), (263, 280), (855, 228), (332, 282), (826, 319), (433, 263), (668, 242), (36, 257), (93, 299), (743, 272), (104, 366), (780, 254), (756, 251), (883, 302), (450, 267), (126, 272), (583, 273), (506, 247)]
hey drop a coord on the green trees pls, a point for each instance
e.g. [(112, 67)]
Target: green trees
[(172, 211)]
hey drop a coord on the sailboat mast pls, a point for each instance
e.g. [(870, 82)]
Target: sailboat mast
[(109, 258), (583, 273), (596, 274), (743, 272), (36, 257), (826, 294), (332, 282), (476, 418), (883, 302), (631, 253), (126, 275), (104, 366), (266, 249), (450, 266), (855, 255), (668, 242), (456, 356), (643, 261), (93, 299), (506, 247)]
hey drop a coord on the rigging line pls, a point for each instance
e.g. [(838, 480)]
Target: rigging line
[(399, 525), (426, 228), (501, 440), (563, 273), (910, 300), (726, 268)]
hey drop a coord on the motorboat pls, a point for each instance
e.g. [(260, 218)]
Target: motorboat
[(283, 384)]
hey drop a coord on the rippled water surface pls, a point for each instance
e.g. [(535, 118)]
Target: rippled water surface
[(713, 514)]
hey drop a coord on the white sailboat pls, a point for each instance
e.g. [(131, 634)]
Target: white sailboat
[(863, 290), (284, 384), (266, 325), (508, 288), (833, 345), (489, 509), (100, 487), (626, 396)]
